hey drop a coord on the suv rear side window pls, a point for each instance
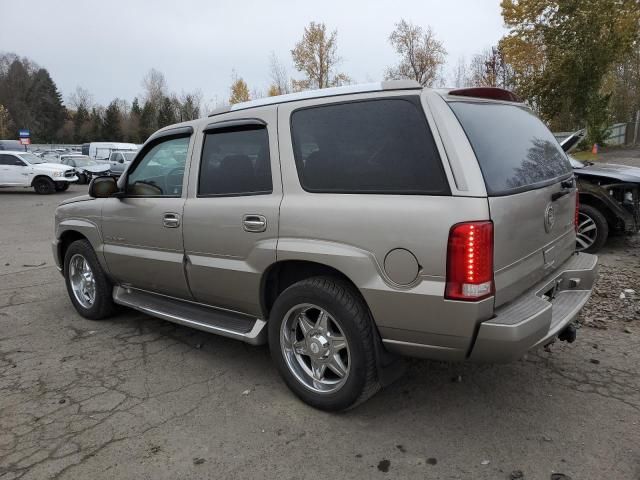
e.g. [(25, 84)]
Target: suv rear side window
[(516, 151), (235, 161), (373, 146)]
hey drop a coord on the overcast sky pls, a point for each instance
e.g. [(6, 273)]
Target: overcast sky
[(108, 47)]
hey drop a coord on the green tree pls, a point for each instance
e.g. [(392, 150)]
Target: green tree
[(562, 51), (167, 113), (112, 128), (96, 122), (80, 124), (45, 104), (7, 129), (15, 84), (316, 55), (148, 121)]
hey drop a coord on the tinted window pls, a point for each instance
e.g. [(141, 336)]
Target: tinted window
[(161, 170), (235, 162), (378, 146), (516, 151), (10, 160)]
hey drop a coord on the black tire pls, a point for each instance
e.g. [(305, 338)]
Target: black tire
[(103, 306), (601, 226), (82, 179), (44, 186), (62, 186), (344, 304)]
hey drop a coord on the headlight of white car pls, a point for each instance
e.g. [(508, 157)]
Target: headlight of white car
[(58, 174)]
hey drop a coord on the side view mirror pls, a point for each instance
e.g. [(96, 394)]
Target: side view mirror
[(102, 187)]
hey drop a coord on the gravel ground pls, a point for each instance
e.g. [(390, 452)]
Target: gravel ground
[(136, 397)]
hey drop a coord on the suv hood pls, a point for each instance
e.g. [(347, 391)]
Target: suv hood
[(51, 167), (572, 141), (622, 173)]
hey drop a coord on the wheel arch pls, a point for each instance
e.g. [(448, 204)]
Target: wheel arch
[(595, 202), (41, 176), (284, 273)]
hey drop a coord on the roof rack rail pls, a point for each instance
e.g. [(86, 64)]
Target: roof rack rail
[(324, 92)]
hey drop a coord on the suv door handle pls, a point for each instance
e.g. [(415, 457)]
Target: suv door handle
[(254, 223), (171, 220)]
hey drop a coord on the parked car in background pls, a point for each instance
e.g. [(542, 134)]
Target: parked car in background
[(85, 167), (13, 145), (609, 199), (102, 150), (119, 160), (342, 226), (22, 169)]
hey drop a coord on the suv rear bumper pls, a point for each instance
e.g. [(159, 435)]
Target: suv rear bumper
[(539, 315)]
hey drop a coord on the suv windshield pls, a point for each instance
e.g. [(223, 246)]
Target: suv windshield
[(31, 158), (516, 151)]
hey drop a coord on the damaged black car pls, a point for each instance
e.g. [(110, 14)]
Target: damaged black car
[(609, 199)]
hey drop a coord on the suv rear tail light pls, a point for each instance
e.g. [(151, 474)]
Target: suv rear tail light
[(576, 217), (470, 261)]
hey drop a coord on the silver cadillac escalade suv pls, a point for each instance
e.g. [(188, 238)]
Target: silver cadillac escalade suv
[(345, 227)]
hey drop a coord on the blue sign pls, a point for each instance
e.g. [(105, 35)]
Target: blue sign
[(23, 134)]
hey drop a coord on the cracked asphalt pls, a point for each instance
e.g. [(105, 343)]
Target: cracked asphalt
[(137, 397)]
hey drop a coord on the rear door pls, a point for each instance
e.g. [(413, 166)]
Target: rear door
[(531, 192), (231, 214)]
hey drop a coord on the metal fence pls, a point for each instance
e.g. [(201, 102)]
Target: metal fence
[(619, 134)]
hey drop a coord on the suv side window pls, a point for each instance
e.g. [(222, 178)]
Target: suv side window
[(371, 146), (160, 172), (235, 161), (10, 160)]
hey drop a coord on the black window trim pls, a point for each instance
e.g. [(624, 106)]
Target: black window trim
[(15, 157), (229, 126), (414, 99), (155, 139)]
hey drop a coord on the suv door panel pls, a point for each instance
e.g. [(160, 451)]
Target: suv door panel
[(225, 261), (141, 248)]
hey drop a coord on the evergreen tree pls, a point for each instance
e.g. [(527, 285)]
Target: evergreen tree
[(45, 104), (148, 123), (166, 114), (135, 107), (112, 129), (80, 122), (14, 86), (96, 125)]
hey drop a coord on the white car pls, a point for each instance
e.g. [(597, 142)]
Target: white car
[(22, 169)]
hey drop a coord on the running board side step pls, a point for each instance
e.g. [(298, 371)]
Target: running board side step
[(220, 322)]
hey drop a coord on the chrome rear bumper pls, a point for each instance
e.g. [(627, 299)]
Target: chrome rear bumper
[(538, 316)]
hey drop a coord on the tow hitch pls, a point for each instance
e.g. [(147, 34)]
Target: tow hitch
[(568, 334)]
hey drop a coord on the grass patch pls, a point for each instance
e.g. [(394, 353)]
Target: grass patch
[(585, 155)]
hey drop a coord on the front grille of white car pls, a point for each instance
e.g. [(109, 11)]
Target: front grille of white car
[(69, 173)]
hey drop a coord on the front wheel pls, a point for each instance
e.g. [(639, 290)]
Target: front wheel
[(44, 186), (87, 285), (321, 339), (592, 231)]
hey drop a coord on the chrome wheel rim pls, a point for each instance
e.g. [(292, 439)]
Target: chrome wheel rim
[(315, 348), (83, 282), (586, 233)]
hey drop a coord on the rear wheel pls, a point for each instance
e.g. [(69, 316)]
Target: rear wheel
[(322, 341), (44, 186), (88, 287), (592, 231)]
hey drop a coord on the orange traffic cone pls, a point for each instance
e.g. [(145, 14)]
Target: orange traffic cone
[(594, 150)]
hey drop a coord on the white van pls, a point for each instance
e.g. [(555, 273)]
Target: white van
[(102, 150)]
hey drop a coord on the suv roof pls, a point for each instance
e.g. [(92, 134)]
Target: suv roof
[(320, 93)]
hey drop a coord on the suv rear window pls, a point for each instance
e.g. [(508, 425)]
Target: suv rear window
[(516, 151), (373, 146)]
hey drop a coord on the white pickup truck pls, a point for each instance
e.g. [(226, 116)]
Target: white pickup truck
[(22, 169)]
